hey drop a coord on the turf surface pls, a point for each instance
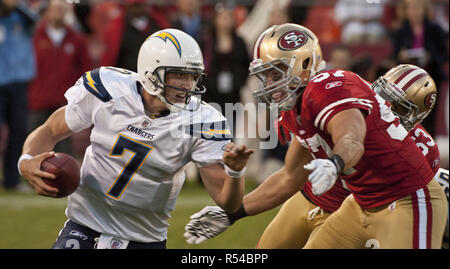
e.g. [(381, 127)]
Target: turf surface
[(30, 221)]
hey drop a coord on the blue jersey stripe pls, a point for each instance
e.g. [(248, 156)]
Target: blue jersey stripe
[(93, 83)]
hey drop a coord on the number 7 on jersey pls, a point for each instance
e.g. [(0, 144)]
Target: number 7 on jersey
[(140, 153)]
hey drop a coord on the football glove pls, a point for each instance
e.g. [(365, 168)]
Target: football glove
[(323, 176), (207, 223)]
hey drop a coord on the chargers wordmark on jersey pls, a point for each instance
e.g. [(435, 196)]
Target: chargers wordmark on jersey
[(135, 130)]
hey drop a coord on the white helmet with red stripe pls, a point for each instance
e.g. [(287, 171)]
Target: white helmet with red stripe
[(411, 92)]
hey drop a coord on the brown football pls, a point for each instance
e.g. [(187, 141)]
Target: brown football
[(66, 170)]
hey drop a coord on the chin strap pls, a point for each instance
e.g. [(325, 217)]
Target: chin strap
[(322, 65)]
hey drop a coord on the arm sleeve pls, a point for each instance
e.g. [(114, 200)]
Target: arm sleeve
[(326, 100), (208, 152), (81, 107), (211, 140)]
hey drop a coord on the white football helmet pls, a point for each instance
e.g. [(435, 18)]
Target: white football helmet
[(171, 50), (292, 52)]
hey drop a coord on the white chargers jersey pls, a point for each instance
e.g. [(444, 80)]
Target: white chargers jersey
[(133, 170)]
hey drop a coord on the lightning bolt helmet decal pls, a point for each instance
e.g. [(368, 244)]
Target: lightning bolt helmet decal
[(168, 36)]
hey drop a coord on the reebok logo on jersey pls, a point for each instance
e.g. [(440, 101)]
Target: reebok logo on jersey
[(135, 130), (333, 84)]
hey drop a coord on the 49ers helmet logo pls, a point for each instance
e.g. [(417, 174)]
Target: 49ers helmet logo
[(292, 40), (430, 99)]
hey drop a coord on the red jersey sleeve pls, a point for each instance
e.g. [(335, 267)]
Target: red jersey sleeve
[(331, 92)]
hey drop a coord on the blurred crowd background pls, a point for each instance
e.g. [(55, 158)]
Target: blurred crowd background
[(45, 46)]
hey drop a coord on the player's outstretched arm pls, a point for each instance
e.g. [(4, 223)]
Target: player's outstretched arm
[(213, 220), (348, 130), (281, 185), (38, 146), (226, 185)]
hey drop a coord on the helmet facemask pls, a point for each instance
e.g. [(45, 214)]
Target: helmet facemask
[(159, 77), (406, 111), (284, 83), (293, 52)]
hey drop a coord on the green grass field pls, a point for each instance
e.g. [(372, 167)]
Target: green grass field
[(33, 221)]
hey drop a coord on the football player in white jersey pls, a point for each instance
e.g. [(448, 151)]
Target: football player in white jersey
[(146, 127)]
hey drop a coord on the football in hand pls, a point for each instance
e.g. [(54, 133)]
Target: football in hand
[(66, 170)]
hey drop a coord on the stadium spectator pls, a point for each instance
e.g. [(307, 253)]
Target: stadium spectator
[(360, 21), (340, 58), (127, 30), (320, 19), (362, 65), (259, 18), (441, 125), (81, 15), (228, 61), (61, 58), (17, 68), (441, 13), (279, 15), (382, 67), (189, 19), (421, 42)]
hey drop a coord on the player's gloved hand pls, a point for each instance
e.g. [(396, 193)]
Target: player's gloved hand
[(210, 222), (324, 173), (284, 135), (205, 224)]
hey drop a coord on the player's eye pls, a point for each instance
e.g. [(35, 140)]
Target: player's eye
[(187, 76), (273, 75)]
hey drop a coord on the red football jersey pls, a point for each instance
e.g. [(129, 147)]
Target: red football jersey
[(332, 199), (392, 165), (427, 145)]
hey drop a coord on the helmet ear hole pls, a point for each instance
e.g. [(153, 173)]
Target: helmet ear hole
[(306, 63)]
